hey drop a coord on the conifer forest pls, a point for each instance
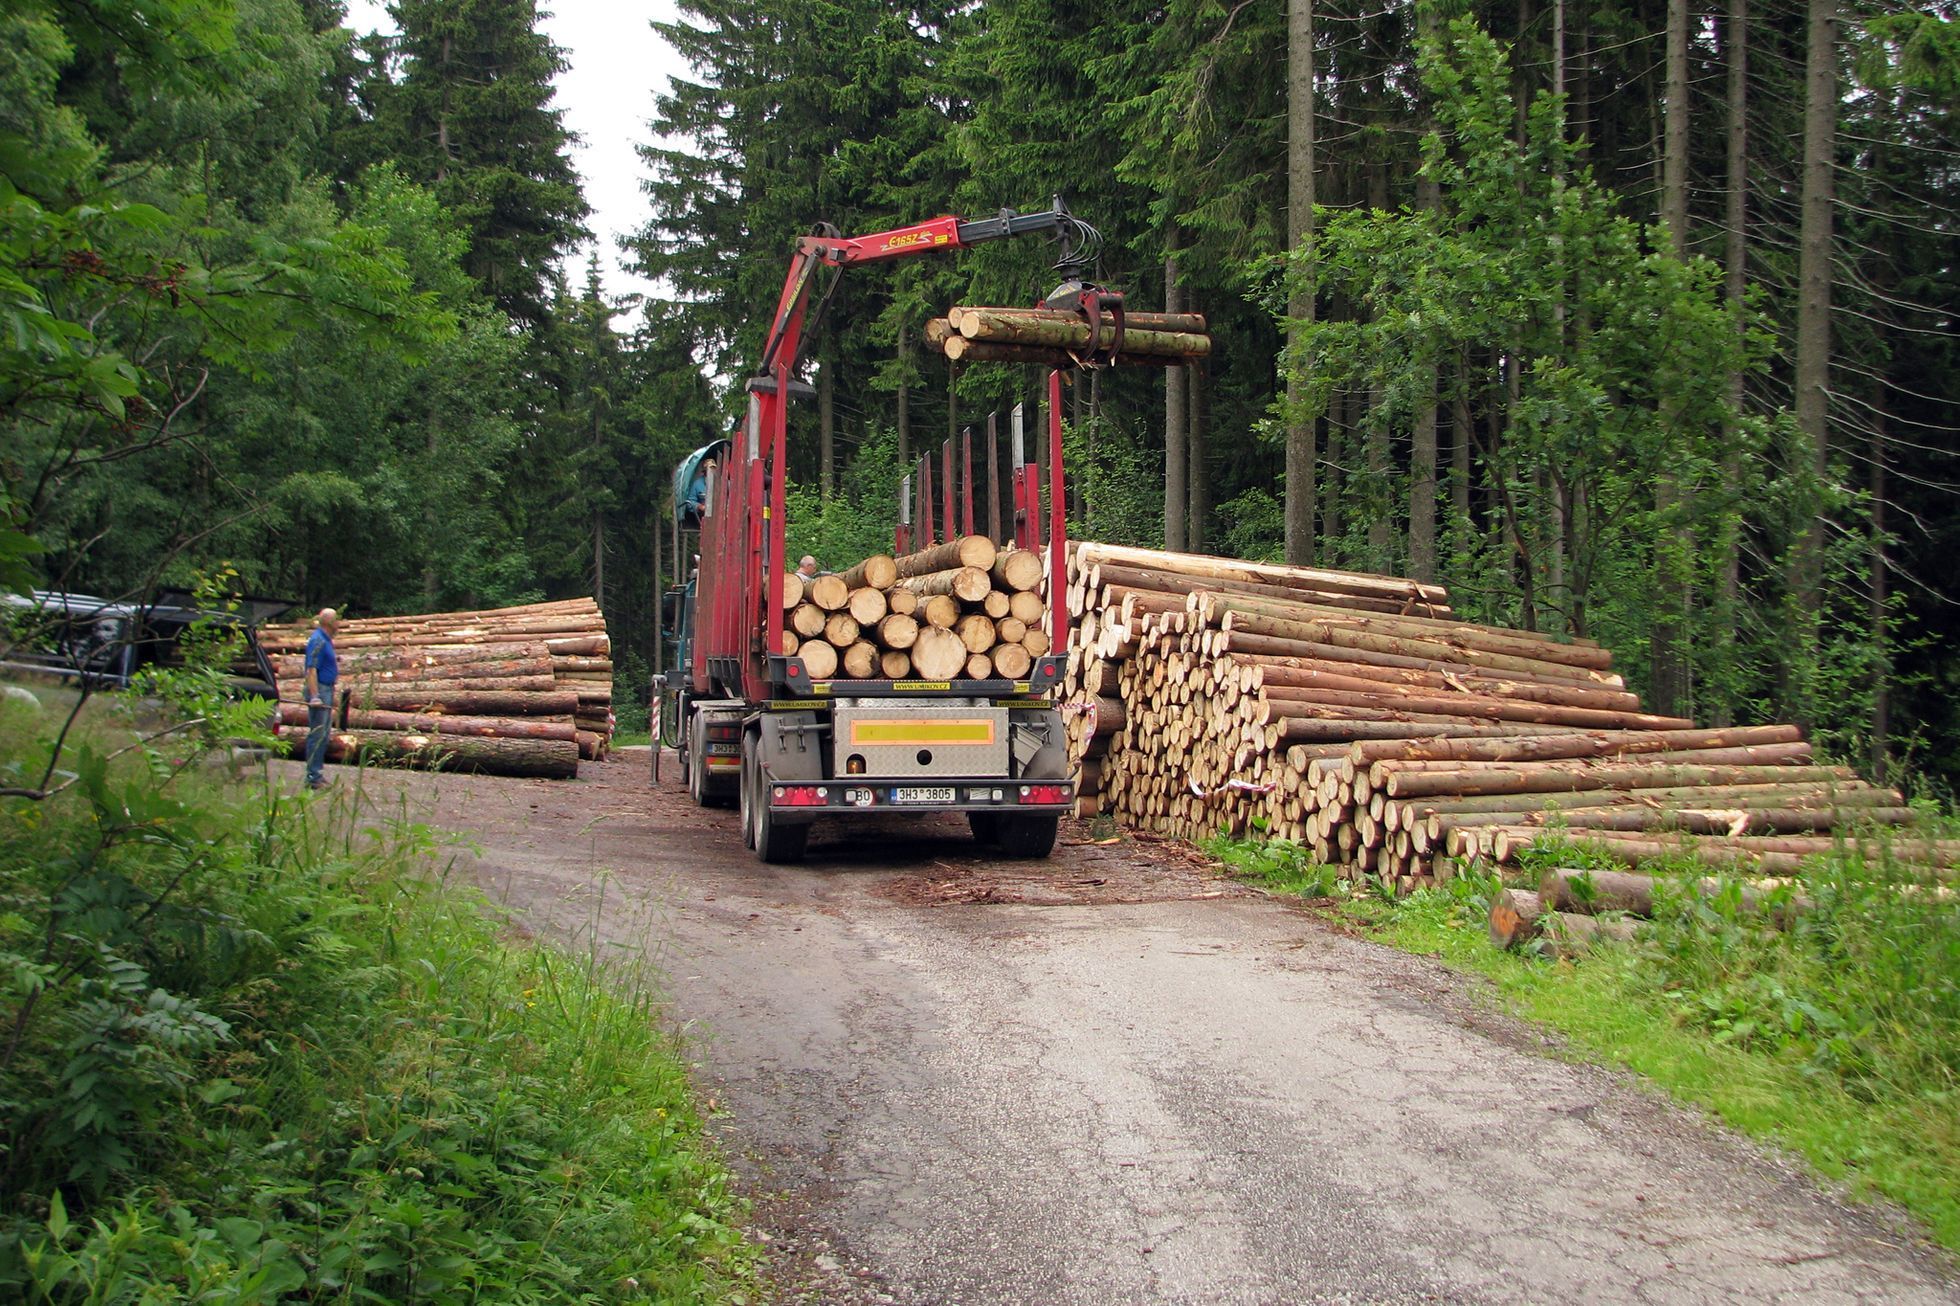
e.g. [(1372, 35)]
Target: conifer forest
[(1626, 319)]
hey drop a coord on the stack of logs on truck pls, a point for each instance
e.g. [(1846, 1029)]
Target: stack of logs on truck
[(1359, 716), (512, 691), (962, 610)]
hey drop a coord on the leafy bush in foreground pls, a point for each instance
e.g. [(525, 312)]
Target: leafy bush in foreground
[(251, 1051)]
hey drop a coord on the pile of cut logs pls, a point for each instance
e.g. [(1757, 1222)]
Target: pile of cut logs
[(1062, 338), (1357, 715), (964, 609), (513, 691)]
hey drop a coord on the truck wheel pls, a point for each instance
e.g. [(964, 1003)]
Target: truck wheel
[(693, 769), (746, 797), (774, 841), (985, 826), (1028, 836)]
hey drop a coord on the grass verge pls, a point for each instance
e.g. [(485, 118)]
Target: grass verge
[(1838, 1038), (254, 1050)]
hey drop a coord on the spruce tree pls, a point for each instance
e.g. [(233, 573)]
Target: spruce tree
[(464, 107)]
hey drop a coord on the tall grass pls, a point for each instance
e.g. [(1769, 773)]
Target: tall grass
[(257, 1050)]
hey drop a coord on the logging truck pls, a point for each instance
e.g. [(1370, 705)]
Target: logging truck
[(793, 726)]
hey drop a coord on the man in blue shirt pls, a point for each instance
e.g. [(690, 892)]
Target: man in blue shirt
[(322, 678)]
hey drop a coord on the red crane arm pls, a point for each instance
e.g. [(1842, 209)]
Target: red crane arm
[(761, 446)]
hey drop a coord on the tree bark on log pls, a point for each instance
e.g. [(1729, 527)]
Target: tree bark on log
[(969, 584), (436, 723), (967, 551), (1006, 327), (542, 758), (878, 572)]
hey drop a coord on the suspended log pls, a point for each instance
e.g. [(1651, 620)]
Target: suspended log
[(997, 326), (878, 572), (955, 317), (986, 351), (542, 758)]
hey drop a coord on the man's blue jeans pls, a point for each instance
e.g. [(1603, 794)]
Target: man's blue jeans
[(317, 721)]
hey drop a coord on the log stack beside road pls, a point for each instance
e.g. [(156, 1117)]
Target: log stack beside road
[(517, 691), (1360, 717)]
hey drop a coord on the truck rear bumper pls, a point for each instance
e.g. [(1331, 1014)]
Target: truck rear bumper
[(876, 797)]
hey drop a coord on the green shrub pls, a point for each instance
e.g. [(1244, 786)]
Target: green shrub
[(254, 1048)]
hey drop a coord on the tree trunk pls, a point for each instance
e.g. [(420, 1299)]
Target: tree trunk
[(1728, 545), (1176, 416), (904, 404), (1300, 452), (1814, 276), (1881, 725), (1199, 477), (1674, 548), (827, 426)]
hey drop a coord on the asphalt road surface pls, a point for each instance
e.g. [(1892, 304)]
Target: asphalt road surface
[(1112, 1077)]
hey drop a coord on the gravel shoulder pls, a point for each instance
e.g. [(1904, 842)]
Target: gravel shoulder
[(1112, 1077)]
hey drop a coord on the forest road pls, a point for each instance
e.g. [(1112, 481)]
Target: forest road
[(1112, 1077)]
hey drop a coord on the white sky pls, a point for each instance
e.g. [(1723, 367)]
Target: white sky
[(618, 64)]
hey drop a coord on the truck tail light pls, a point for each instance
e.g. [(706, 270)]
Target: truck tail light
[(800, 795), (1045, 794)]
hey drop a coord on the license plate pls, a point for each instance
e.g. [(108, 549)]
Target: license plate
[(922, 795), (724, 750)]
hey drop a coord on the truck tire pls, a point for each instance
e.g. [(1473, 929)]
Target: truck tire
[(985, 827), (774, 840), (747, 793), (1028, 836)]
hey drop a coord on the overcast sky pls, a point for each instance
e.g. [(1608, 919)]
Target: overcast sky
[(618, 64)]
